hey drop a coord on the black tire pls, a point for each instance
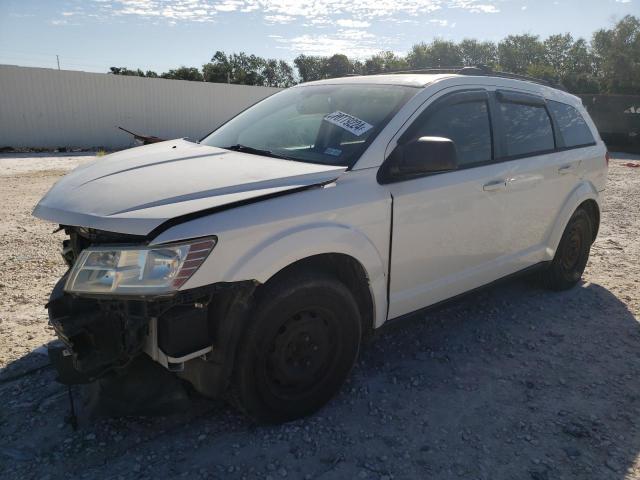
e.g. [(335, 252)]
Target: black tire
[(572, 254), (300, 345)]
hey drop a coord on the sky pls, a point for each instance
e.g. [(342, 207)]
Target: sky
[(93, 35)]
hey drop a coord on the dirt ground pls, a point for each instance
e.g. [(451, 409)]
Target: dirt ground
[(514, 382)]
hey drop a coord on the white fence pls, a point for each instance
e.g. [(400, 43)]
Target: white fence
[(40, 107)]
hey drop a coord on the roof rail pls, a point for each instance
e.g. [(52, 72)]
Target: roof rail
[(481, 70)]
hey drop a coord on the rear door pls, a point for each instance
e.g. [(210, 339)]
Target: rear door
[(542, 174), (449, 228)]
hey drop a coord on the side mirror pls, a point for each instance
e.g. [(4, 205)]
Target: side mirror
[(426, 155)]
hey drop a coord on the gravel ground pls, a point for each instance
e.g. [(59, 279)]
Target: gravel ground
[(513, 382)]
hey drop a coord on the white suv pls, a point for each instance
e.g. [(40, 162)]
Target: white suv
[(253, 263)]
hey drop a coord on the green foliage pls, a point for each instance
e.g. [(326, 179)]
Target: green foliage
[(126, 72), (617, 56), (184, 73), (439, 53), (313, 67), (246, 69), (384, 62), (473, 52), (310, 67), (610, 63), (517, 53)]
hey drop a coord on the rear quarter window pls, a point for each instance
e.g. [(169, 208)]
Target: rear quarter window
[(573, 128)]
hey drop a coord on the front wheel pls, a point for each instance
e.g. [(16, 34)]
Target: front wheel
[(299, 348), (572, 254)]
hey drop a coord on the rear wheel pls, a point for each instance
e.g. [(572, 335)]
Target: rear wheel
[(302, 342), (572, 254)]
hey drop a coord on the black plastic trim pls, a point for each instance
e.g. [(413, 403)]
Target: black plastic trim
[(575, 147), (390, 258), (510, 96)]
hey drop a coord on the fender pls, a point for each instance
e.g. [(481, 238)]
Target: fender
[(583, 192), (287, 247)]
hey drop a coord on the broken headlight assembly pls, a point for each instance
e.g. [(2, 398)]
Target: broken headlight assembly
[(137, 270)]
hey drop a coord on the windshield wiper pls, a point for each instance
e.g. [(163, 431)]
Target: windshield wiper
[(255, 151)]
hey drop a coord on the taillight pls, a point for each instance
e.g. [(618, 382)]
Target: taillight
[(607, 157)]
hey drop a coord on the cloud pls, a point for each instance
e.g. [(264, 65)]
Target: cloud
[(279, 18), (228, 6), (440, 23), (350, 23), (484, 9), (343, 13), (329, 44), (171, 10), (346, 21)]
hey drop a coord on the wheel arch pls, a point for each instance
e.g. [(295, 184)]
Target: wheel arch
[(344, 268), (586, 196), (343, 251), (593, 209)]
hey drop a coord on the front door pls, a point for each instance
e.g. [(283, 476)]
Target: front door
[(449, 229)]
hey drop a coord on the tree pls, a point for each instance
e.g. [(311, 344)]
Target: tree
[(572, 63), (184, 73), (126, 72), (439, 53), (386, 61), (557, 51), (517, 53), (247, 69), (337, 65), (580, 59), (473, 53), (544, 72), (240, 68), (219, 70), (278, 73), (617, 56), (310, 67)]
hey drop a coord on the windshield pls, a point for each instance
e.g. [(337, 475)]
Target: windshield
[(328, 124)]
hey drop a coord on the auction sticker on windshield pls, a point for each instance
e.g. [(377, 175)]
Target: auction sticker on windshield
[(350, 123)]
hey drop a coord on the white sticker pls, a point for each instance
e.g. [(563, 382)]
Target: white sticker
[(348, 122)]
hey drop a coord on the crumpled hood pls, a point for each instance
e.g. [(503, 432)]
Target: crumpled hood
[(136, 190)]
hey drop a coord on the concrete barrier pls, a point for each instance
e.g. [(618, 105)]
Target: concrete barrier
[(41, 107)]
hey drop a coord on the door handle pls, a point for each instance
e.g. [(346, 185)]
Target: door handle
[(494, 186), (563, 170)]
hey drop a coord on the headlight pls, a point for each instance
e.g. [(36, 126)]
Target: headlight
[(137, 270)]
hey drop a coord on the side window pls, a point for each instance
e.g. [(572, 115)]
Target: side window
[(527, 129), (466, 124), (574, 130)]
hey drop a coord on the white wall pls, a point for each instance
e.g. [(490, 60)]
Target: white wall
[(41, 107)]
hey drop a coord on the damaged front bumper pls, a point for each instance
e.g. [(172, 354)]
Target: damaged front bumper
[(191, 333)]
